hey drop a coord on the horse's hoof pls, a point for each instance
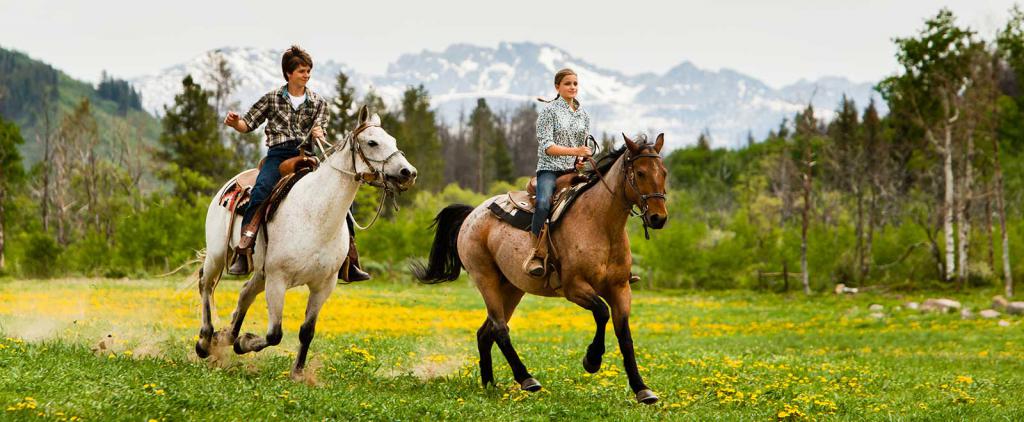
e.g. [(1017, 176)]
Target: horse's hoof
[(201, 352), (237, 346), (646, 396), (530, 384), (591, 368)]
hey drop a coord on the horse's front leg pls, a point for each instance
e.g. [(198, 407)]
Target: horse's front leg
[(620, 298), (250, 342), (317, 297)]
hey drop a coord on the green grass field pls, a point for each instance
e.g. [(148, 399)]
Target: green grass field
[(399, 351)]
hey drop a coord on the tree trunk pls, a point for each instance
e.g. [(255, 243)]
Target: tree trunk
[(948, 208), (964, 213), (803, 230), (988, 230), (46, 183), (865, 269), (3, 197), (1001, 208), (859, 229)]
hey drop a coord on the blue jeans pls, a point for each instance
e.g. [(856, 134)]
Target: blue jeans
[(268, 177), (545, 187)]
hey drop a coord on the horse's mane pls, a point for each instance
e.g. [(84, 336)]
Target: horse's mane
[(606, 161)]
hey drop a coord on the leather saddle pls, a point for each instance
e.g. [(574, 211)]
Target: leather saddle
[(561, 183), (236, 197)]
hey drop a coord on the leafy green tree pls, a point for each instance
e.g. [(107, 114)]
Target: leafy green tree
[(935, 69)]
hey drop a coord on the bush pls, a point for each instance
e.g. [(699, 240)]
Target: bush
[(42, 255)]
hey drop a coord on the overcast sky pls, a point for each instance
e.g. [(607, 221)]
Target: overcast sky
[(779, 41)]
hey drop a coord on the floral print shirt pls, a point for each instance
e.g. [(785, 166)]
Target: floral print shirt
[(557, 124)]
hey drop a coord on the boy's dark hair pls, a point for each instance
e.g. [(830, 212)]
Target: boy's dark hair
[(292, 58)]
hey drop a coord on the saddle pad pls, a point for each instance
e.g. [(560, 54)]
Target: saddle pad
[(510, 214), (516, 208)]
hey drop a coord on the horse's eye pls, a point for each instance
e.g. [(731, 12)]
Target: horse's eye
[(641, 174), (372, 144)]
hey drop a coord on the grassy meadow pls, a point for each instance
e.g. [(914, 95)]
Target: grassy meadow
[(100, 349)]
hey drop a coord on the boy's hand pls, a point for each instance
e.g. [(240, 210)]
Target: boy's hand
[(233, 121), (318, 133)]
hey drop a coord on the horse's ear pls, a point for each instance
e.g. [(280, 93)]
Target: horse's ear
[(362, 115), (659, 143), (374, 120), (629, 143)]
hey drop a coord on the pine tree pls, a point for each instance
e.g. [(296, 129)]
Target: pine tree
[(491, 161), (245, 146), (191, 144), (418, 137), (342, 119), (12, 174)]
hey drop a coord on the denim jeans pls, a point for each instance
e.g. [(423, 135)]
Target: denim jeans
[(268, 177), (545, 187)]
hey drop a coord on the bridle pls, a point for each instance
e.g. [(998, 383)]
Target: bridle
[(642, 197), (375, 177)]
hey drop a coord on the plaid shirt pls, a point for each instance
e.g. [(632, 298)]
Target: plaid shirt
[(285, 123)]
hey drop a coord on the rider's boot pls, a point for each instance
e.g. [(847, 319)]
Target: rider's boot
[(354, 272), (535, 265), (243, 252)]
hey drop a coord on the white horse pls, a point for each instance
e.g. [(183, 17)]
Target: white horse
[(306, 241)]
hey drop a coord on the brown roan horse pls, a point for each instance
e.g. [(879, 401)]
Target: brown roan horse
[(592, 247)]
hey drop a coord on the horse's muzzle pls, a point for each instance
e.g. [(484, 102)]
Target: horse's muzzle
[(405, 179), (656, 221)]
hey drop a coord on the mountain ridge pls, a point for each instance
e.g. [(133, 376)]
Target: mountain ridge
[(683, 101)]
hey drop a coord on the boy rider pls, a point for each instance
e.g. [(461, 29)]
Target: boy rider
[(293, 113)]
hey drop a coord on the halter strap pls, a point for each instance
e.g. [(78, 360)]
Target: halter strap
[(631, 182)]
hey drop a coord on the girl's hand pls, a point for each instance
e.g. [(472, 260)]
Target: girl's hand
[(583, 151)]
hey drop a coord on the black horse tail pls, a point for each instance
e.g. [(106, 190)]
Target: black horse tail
[(444, 263)]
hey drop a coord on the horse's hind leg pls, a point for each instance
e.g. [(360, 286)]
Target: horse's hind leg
[(583, 295), (485, 341), (317, 298), (209, 275), (495, 329), (275, 308)]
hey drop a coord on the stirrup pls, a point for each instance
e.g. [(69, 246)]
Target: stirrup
[(243, 259), (534, 266)]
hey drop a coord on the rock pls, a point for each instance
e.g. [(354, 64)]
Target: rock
[(940, 305), (912, 305), (877, 315), (1015, 308), (966, 314), (999, 302), (1004, 323), (876, 307), (989, 314), (841, 288)]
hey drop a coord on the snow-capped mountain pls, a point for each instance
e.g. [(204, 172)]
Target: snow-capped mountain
[(682, 102)]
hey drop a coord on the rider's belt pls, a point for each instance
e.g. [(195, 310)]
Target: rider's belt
[(292, 144)]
